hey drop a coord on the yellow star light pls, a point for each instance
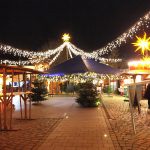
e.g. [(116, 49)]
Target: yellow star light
[(66, 37), (142, 44), (146, 59)]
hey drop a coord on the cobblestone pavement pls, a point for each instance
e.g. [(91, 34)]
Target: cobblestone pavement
[(121, 129), (81, 129), (30, 134), (27, 134)]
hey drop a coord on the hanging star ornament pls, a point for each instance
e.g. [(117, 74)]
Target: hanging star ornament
[(146, 59), (142, 44), (66, 37)]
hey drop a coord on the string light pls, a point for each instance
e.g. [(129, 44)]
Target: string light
[(73, 49), (78, 77), (25, 53), (76, 51), (56, 53), (144, 21)]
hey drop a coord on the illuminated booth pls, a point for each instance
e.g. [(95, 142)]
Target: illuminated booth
[(78, 65), (9, 74)]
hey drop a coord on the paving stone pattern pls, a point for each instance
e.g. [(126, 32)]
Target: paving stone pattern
[(27, 134), (81, 129), (121, 130)]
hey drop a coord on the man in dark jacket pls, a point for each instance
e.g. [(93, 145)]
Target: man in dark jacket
[(147, 95)]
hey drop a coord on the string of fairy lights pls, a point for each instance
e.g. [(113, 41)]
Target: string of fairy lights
[(144, 21), (82, 77), (53, 54), (73, 49)]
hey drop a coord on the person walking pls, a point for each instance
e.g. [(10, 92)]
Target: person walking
[(147, 95)]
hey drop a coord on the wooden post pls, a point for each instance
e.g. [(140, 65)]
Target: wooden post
[(29, 98), (0, 115), (20, 97), (10, 126), (25, 99), (131, 110), (4, 99)]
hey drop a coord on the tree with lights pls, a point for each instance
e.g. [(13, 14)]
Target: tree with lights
[(87, 95), (39, 91)]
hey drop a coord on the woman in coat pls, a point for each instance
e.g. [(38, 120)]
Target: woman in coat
[(147, 95)]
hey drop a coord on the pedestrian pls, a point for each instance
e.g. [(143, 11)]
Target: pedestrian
[(147, 95)]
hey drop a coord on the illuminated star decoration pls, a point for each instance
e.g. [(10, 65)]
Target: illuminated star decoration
[(146, 59), (66, 37), (142, 44)]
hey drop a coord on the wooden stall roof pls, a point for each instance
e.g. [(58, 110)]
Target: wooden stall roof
[(19, 70)]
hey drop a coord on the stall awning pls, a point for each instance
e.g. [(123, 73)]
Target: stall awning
[(79, 64)]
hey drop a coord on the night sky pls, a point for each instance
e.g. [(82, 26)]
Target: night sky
[(31, 24)]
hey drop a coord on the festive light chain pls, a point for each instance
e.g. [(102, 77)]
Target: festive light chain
[(28, 62), (81, 77), (70, 54), (144, 21), (40, 57), (77, 51), (71, 48), (25, 53), (49, 52), (57, 55), (95, 54)]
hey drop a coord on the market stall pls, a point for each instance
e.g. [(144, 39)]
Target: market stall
[(6, 105)]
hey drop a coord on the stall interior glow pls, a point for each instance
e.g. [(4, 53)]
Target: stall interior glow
[(138, 78), (128, 81), (139, 65)]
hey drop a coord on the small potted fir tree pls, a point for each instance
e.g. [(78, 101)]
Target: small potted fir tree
[(39, 91), (87, 95)]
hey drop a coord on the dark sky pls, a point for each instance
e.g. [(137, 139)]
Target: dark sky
[(29, 24)]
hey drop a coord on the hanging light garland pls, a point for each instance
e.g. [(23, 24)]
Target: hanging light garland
[(81, 77), (73, 49), (25, 53), (144, 21), (55, 54), (76, 51)]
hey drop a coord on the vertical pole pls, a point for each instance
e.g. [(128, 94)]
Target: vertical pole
[(30, 98), (20, 96), (67, 53), (4, 99), (0, 115), (131, 110), (25, 99), (11, 100), (52, 88)]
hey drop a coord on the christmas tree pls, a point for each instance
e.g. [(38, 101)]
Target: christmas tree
[(87, 95), (39, 90)]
